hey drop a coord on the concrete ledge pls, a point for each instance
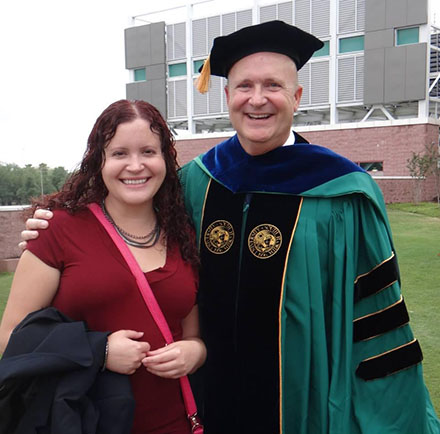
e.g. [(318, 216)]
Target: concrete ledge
[(8, 265)]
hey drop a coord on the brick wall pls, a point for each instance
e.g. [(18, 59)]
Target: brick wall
[(11, 225), (404, 190), (390, 144)]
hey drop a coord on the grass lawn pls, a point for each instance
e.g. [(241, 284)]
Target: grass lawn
[(417, 242), (416, 233), (5, 284)]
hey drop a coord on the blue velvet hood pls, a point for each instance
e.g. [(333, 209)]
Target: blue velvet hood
[(290, 169)]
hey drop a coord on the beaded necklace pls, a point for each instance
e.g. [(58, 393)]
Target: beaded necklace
[(149, 240)]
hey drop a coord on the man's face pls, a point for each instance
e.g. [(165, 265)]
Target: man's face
[(262, 95)]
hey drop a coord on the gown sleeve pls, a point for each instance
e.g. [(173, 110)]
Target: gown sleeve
[(350, 362)]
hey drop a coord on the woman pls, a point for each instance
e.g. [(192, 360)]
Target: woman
[(130, 170)]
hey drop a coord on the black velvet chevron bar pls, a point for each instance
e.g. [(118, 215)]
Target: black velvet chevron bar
[(376, 280), (390, 362), (380, 322)]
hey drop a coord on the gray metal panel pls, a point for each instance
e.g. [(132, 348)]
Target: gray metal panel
[(181, 109), (302, 14), (213, 30), (137, 48), (346, 74), (417, 11), (374, 76), (379, 39), (268, 13), (359, 77), (170, 41), (145, 45), (396, 13), (199, 37), (244, 19), (158, 96), (215, 96), (304, 81), (141, 90), (179, 41), (374, 15), (395, 67), (150, 91), (360, 15), (346, 16), (154, 72), (285, 12), (320, 18), (171, 99), (320, 77), (157, 43), (415, 72)]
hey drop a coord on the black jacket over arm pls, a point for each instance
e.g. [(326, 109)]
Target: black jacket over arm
[(51, 380)]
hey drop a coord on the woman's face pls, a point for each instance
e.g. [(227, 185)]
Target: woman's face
[(134, 166)]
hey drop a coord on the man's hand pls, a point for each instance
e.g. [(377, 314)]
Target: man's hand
[(33, 225)]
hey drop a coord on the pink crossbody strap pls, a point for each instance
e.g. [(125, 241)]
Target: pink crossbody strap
[(153, 307)]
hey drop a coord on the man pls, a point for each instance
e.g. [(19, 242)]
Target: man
[(299, 298)]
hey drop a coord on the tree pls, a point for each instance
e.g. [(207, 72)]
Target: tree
[(58, 177), (433, 154), (46, 185), (29, 189), (19, 184), (7, 184), (421, 165)]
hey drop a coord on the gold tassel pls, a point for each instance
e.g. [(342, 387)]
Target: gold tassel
[(202, 81)]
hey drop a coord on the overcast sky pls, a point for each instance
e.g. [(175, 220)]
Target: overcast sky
[(62, 63)]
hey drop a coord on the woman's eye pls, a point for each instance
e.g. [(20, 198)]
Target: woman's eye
[(117, 154)]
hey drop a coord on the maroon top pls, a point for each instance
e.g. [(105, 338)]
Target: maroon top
[(97, 286)]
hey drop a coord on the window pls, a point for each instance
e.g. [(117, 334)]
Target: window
[(197, 65), (140, 75), (177, 69), (324, 51), (375, 166), (348, 45), (407, 36)]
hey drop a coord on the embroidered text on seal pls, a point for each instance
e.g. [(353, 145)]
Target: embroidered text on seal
[(219, 236), (264, 241)]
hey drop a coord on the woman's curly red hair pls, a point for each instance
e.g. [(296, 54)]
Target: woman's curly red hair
[(86, 185)]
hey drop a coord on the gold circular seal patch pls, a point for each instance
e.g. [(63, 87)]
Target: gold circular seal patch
[(219, 237), (265, 240)]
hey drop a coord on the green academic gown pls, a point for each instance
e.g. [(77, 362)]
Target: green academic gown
[(314, 342)]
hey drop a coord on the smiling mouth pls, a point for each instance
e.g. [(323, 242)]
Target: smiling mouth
[(134, 181), (260, 116)]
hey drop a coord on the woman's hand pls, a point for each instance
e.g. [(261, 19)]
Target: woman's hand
[(125, 351), (177, 359)]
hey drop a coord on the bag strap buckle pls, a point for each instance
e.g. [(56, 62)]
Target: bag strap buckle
[(196, 426)]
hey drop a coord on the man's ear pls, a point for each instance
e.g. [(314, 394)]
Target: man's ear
[(227, 94), (298, 95)]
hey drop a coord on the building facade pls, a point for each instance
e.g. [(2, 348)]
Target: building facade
[(372, 93)]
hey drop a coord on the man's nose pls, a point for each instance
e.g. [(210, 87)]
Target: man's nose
[(258, 97)]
